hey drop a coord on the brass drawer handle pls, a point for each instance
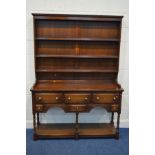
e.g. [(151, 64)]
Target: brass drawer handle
[(39, 98), (38, 108), (115, 98), (69, 98), (56, 98), (86, 98), (77, 108), (98, 98)]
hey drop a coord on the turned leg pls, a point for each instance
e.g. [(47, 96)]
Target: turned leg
[(34, 121), (34, 126), (117, 128), (112, 118), (38, 121), (76, 127)]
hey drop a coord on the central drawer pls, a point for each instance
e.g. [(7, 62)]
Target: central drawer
[(77, 98), (77, 108), (48, 98)]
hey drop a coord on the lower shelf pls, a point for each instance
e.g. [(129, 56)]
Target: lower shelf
[(68, 130)]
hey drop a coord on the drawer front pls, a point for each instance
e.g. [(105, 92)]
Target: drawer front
[(115, 107), (100, 98), (76, 108), (39, 108), (77, 98), (49, 98)]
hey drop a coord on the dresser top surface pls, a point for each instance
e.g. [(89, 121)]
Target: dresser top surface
[(76, 85)]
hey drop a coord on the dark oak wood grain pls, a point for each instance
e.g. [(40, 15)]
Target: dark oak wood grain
[(76, 69)]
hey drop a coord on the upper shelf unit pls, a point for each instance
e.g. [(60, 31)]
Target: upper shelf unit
[(76, 46)]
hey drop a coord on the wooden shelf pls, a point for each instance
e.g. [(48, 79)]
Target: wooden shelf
[(77, 39), (77, 56), (78, 70), (68, 130)]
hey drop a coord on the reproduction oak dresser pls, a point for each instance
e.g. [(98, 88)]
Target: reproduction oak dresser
[(76, 69)]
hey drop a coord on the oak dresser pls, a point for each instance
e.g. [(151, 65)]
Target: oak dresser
[(76, 69)]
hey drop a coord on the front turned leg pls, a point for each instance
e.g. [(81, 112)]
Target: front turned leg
[(34, 127), (112, 118), (34, 121), (77, 127), (117, 128), (38, 120)]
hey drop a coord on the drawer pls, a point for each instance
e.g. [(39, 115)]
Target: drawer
[(115, 107), (39, 108), (100, 98), (77, 98), (77, 108), (49, 98)]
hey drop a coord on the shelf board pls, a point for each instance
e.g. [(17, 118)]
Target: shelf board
[(77, 56), (78, 70), (75, 17), (68, 130), (77, 39)]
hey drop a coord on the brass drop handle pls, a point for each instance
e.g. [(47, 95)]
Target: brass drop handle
[(38, 108), (69, 98), (98, 98), (39, 98), (114, 98), (86, 98), (57, 98), (77, 108)]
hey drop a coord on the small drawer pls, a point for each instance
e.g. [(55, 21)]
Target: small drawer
[(77, 98), (76, 108), (115, 107), (100, 98), (48, 98), (39, 107)]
